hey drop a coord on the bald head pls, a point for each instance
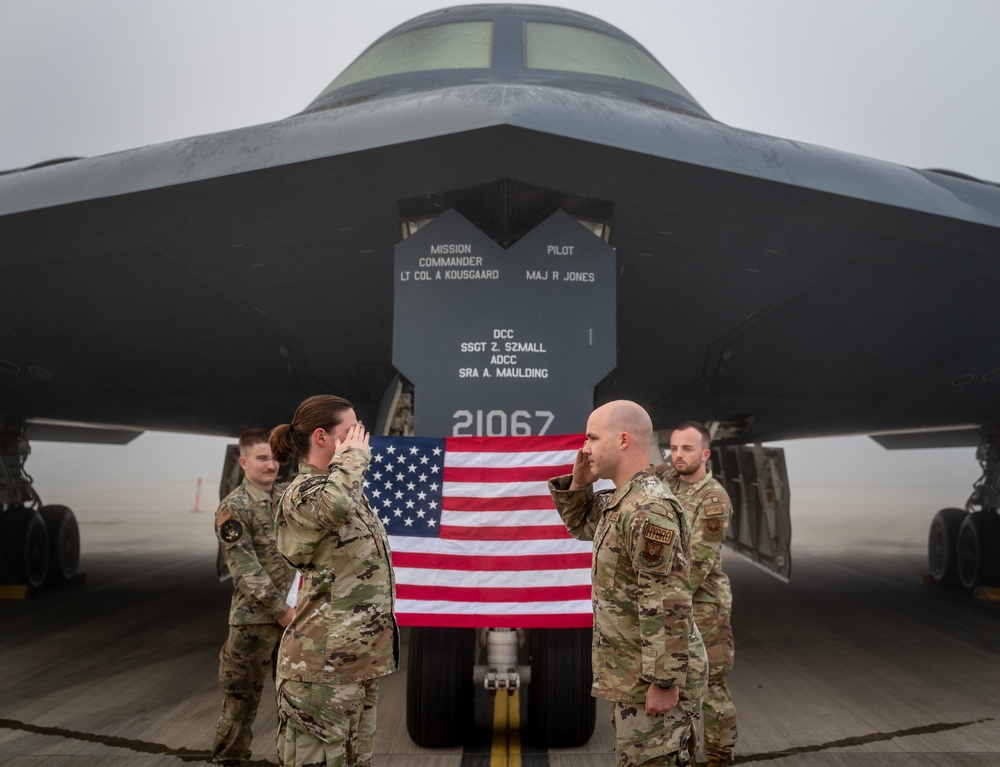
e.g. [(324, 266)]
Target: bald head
[(629, 418), (618, 438)]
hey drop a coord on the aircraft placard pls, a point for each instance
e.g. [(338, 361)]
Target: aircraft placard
[(503, 342)]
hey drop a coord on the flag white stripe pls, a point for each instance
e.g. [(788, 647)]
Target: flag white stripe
[(419, 545), (494, 489), (519, 579), (472, 459), (529, 518), (442, 607)]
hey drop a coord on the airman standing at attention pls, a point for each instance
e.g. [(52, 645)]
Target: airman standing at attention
[(708, 511), (244, 525), (648, 657)]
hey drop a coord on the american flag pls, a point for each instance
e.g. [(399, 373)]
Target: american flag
[(476, 540)]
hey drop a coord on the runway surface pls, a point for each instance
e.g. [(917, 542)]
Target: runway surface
[(852, 663)]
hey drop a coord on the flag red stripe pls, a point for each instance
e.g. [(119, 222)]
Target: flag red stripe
[(471, 563), (471, 620), (480, 594), (513, 444), (547, 532), (501, 474), (507, 503)]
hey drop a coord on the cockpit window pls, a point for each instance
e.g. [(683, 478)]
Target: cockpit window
[(573, 49), (465, 45)]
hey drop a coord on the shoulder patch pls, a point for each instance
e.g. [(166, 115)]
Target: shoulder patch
[(230, 531), (715, 510), (313, 482), (657, 534), (713, 530), (652, 553), (657, 542)]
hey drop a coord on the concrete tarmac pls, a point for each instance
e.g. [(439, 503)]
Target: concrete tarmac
[(852, 663)]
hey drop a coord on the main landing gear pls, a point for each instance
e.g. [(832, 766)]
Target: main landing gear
[(963, 547), (38, 544)]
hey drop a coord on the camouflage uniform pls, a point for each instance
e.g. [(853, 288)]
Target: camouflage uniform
[(708, 511), (344, 635), (244, 525), (643, 627)]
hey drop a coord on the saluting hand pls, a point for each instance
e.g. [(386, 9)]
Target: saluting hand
[(356, 437), (583, 471)]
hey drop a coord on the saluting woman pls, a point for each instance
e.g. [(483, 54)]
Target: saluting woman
[(343, 636)]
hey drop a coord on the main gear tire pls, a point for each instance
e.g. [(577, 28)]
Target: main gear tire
[(440, 698), (942, 546), (64, 543), (977, 550), (24, 547), (561, 710)]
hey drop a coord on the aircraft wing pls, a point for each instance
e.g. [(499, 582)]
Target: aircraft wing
[(211, 283)]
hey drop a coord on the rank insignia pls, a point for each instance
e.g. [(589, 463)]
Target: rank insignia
[(231, 531)]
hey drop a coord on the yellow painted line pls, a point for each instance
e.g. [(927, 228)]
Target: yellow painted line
[(506, 750)]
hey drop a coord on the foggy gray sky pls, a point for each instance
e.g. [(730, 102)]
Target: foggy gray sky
[(908, 81)]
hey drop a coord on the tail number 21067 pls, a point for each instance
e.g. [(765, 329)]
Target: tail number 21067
[(497, 423)]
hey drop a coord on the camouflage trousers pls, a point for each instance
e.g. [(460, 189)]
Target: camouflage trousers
[(666, 740), (246, 660), (322, 725), (719, 712)]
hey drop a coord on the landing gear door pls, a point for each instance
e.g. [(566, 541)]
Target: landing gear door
[(757, 482)]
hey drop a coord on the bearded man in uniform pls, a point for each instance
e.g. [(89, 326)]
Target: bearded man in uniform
[(708, 510)]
